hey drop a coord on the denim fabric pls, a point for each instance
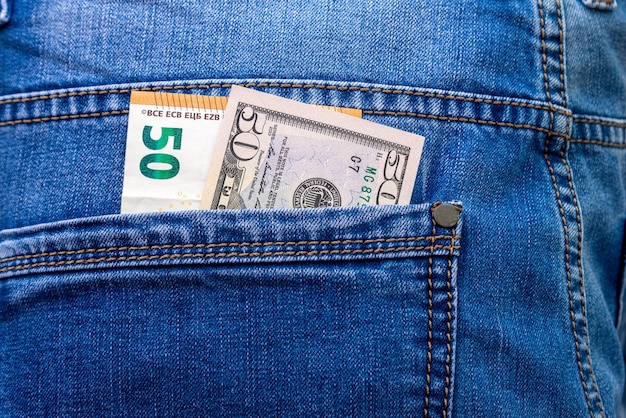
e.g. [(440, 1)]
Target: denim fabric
[(206, 314), (342, 312)]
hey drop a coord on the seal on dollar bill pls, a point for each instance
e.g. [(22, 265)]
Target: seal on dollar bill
[(316, 193)]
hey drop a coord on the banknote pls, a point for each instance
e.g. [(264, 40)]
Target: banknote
[(273, 152), (169, 144)]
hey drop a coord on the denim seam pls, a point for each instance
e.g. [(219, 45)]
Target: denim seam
[(446, 390), (368, 112), (227, 244), (458, 119), (94, 261), (596, 142), (380, 113), (544, 60), (289, 85), (600, 122), (64, 117), (566, 136), (568, 273), (578, 215), (561, 57), (429, 354), (580, 275)]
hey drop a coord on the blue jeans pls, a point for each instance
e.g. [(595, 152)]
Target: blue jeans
[(514, 311)]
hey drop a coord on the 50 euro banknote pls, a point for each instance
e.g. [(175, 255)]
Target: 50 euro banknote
[(273, 152)]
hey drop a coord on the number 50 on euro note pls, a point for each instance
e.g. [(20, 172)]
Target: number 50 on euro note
[(273, 152)]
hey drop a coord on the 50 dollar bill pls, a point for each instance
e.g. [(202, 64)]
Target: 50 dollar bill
[(273, 152)]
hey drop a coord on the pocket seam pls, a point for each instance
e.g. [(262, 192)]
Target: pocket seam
[(95, 261), (365, 111), (292, 86), (431, 238), (447, 398)]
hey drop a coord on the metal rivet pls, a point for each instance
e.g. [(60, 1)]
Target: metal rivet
[(446, 215)]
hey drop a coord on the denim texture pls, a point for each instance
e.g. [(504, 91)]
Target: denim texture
[(284, 320), (342, 312)]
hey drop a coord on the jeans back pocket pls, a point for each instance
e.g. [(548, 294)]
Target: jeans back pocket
[(340, 311)]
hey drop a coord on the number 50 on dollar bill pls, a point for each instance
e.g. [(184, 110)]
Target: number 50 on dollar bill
[(273, 152)]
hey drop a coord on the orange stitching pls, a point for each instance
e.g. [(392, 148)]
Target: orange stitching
[(446, 390), (429, 341), (225, 255), (600, 122), (580, 276), (287, 85), (64, 117), (459, 119), (568, 273), (561, 66), (225, 244), (596, 142), (559, 201), (544, 57), (578, 226), (371, 112)]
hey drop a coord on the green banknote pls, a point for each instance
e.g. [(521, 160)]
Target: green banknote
[(273, 152)]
